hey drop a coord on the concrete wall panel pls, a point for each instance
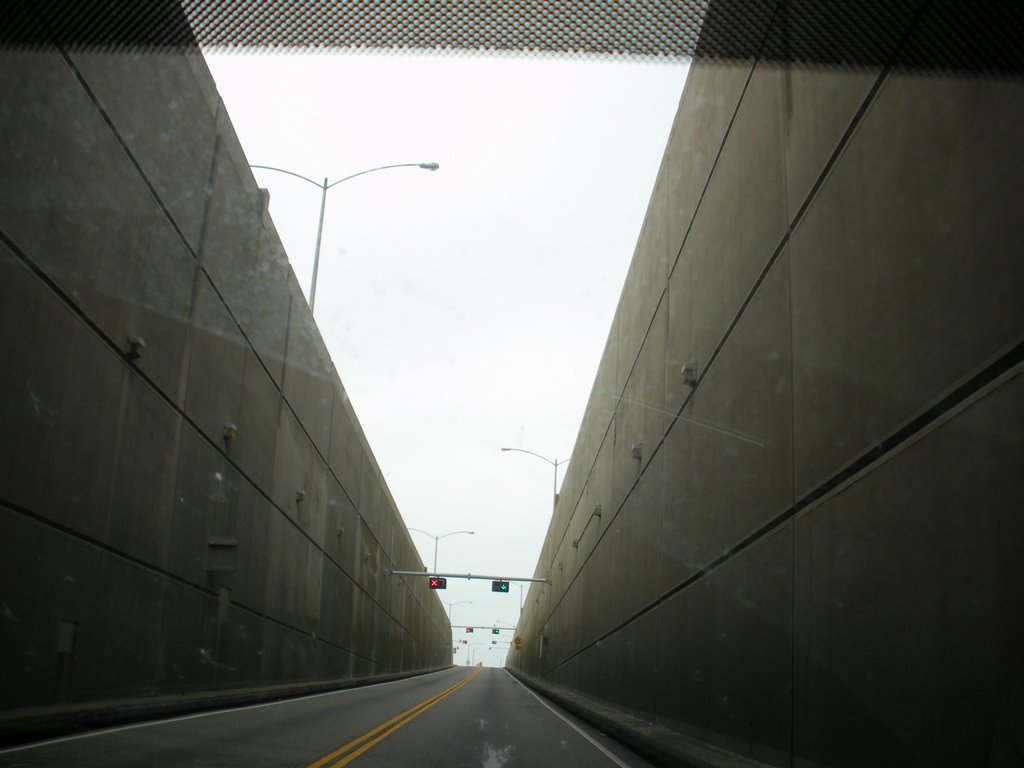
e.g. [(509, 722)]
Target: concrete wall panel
[(741, 220), (143, 474), (938, 635), (706, 109), (245, 262), (215, 344), (300, 481), (636, 541), (66, 382), (254, 447), (680, 548), (32, 653), (725, 650), (132, 89), (644, 286), (880, 297), (740, 415), (201, 489), (106, 243), (818, 112), (345, 457), (307, 382)]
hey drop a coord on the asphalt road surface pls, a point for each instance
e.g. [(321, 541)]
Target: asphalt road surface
[(472, 717)]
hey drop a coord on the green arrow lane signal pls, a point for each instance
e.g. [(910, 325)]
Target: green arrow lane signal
[(499, 586), (495, 631)]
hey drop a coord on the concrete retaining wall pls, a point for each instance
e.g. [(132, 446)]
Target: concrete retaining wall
[(809, 554), (147, 550)]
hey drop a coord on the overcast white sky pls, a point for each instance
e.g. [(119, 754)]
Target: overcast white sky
[(465, 309)]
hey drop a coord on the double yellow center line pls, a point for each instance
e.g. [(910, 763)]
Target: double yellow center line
[(368, 740)]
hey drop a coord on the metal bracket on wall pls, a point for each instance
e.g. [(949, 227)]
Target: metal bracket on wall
[(598, 509)]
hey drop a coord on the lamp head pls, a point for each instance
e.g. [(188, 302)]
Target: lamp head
[(429, 166)]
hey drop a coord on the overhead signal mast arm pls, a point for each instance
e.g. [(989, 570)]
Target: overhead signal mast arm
[(469, 576)]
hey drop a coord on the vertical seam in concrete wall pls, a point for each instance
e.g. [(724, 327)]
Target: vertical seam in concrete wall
[(198, 274), (116, 135)]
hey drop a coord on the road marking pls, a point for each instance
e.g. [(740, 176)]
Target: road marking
[(211, 713), (571, 724), (370, 739)]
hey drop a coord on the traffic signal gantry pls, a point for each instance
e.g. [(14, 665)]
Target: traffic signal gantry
[(499, 584)]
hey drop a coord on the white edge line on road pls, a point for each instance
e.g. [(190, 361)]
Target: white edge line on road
[(571, 724), (210, 713)]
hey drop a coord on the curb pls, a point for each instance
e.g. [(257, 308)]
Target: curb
[(657, 743)]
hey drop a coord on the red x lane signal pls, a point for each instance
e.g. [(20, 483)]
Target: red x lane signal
[(438, 582), (468, 630)]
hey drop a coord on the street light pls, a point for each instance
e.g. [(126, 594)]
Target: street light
[(520, 598), (553, 462), (323, 203), (452, 605), (436, 539)]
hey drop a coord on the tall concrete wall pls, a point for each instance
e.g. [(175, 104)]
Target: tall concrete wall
[(810, 554), (144, 551)]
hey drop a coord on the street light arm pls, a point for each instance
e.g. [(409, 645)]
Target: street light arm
[(436, 539), (545, 458), (425, 166), (323, 203), (452, 534), (290, 173)]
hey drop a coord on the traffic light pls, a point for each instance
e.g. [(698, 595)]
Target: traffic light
[(468, 630), (438, 582), (499, 586), (495, 631)]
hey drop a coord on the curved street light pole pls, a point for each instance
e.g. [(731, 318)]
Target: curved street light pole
[(556, 463), (436, 539), (323, 204)]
